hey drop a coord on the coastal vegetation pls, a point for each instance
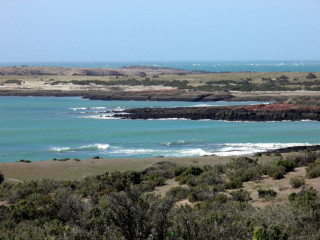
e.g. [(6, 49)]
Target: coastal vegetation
[(125, 205)]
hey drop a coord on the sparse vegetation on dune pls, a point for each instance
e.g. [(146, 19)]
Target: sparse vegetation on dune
[(123, 205)]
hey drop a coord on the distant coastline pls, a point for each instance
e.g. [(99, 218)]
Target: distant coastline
[(209, 66)]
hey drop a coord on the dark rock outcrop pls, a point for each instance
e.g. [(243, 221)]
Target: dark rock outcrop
[(221, 113)]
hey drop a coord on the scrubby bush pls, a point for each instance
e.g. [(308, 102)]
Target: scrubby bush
[(305, 198), (221, 198), (244, 169), (1, 178), (240, 195), (273, 170), (297, 182), (302, 159), (177, 193), (164, 168), (25, 161), (186, 175), (270, 193), (289, 165), (234, 184), (272, 231), (313, 169), (311, 76)]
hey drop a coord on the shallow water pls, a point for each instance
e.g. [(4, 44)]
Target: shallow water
[(42, 128), (211, 66)]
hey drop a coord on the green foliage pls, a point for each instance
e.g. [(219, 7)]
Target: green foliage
[(313, 169), (221, 198), (274, 170), (119, 205), (165, 169), (234, 184), (270, 193), (244, 169), (272, 232), (25, 161), (1, 178), (311, 76), (240, 195), (187, 174), (289, 165), (305, 198), (178, 193), (297, 182), (304, 158)]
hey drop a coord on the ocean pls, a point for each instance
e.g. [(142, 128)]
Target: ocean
[(211, 66), (43, 128)]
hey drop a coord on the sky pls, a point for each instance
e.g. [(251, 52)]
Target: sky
[(154, 30)]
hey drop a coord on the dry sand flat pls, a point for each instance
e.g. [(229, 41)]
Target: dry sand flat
[(281, 186), (72, 169)]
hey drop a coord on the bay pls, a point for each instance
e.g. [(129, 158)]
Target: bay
[(42, 128)]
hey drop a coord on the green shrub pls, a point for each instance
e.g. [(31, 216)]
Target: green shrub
[(221, 198), (289, 165), (1, 178), (245, 169), (156, 179), (234, 184), (313, 169), (271, 231), (311, 76), (25, 161), (270, 193), (177, 193), (273, 170), (302, 159), (186, 175), (297, 182), (305, 198), (96, 157), (313, 173), (240, 195)]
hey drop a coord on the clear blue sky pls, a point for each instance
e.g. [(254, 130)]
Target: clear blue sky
[(147, 30)]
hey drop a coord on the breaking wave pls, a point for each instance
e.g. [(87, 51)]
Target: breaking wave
[(93, 147)]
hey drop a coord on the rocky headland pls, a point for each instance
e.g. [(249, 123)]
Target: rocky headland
[(282, 111)]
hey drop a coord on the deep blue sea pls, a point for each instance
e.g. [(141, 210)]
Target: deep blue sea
[(211, 66), (42, 128)]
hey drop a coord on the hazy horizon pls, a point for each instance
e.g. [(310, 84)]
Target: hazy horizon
[(126, 31)]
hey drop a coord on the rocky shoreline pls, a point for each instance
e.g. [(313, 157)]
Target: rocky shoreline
[(259, 113)]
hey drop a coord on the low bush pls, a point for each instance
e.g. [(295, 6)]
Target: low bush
[(302, 159), (311, 76), (234, 184), (177, 193), (270, 193), (297, 182), (186, 175), (244, 169), (165, 169), (25, 161), (240, 195), (305, 199), (273, 170), (313, 169), (289, 165), (1, 178), (221, 198)]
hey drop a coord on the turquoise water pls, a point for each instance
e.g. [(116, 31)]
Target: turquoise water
[(42, 128), (211, 66)]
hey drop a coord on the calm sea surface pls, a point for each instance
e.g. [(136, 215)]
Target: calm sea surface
[(42, 128), (212, 66)]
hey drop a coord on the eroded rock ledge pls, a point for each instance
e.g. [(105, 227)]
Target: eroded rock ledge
[(262, 112)]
